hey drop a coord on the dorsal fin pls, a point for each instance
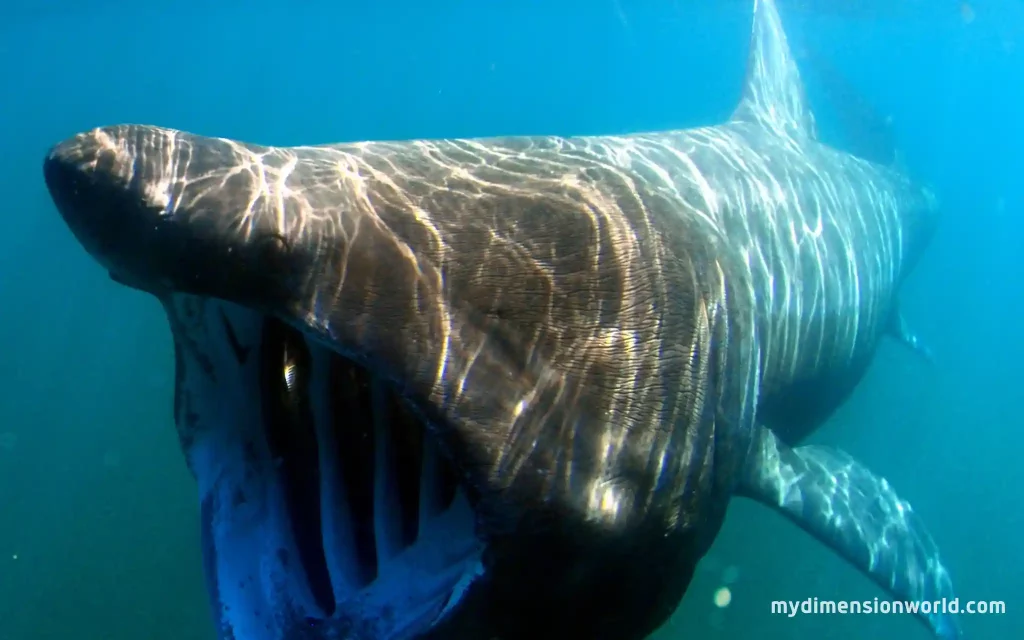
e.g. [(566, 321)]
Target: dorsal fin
[(774, 94)]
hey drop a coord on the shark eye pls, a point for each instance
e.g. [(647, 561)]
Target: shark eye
[(274, 242), (272, 249)]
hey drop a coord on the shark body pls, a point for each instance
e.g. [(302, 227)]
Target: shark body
[(506, 387)]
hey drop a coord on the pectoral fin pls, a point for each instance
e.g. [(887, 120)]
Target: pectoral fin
[(857, 514)]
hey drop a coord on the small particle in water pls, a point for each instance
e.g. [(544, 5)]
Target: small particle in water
[(723, 597), (7, 440), (731, 574), (14, 557)]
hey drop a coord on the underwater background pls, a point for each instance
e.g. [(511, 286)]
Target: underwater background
[(98, 515)]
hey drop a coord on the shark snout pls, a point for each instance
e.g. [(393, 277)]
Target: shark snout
[(89, 177), (166, 211), (103, 162)]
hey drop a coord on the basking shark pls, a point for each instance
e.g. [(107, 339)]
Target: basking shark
[(507, 387)]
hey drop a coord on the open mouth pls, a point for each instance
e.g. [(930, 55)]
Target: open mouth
[(326, 503)]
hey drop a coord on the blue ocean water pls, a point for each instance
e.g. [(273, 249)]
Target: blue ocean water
[(98, 517)]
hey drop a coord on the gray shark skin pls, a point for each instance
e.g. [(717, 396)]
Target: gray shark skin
[(506, 388)]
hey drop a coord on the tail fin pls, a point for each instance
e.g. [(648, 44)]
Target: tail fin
[(858, 515)]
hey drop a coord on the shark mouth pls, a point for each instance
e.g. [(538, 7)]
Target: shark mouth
[(327, 509)]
